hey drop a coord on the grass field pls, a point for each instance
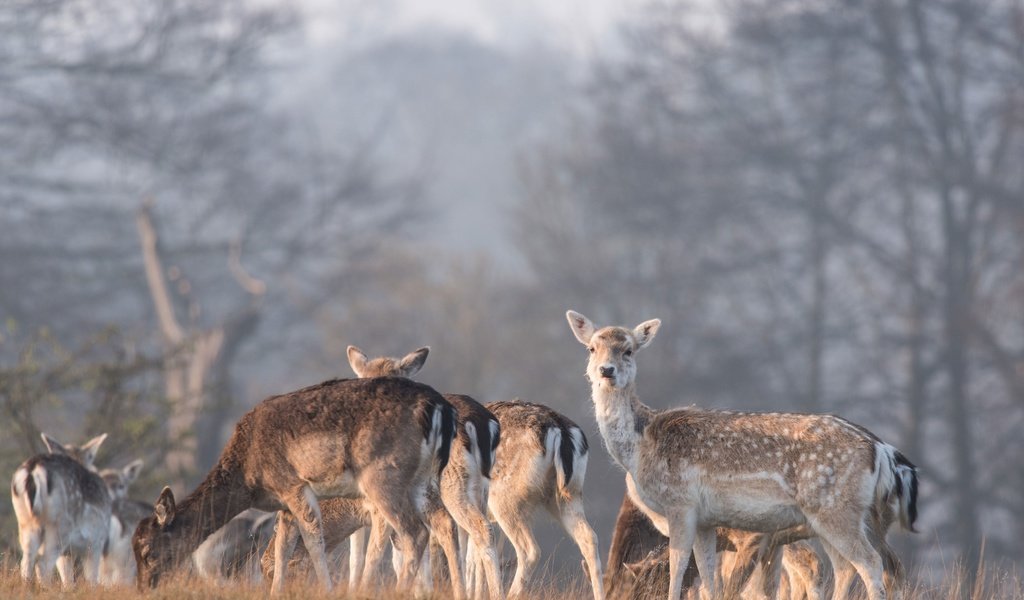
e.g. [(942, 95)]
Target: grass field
[(990, 585)]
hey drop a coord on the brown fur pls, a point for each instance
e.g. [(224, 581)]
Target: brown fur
[(527, 477), (461, 497), (333, 439)]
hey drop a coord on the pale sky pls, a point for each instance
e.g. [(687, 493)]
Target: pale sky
[(468, 139), (575, 25)]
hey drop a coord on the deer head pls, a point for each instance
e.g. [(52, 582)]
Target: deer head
[(387, 366), (612, 362), (156, 550), (118, 480), (84, 454)]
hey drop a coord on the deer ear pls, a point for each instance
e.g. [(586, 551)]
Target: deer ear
[(581, 326), (164, 508), (53, 446), (645, 332), (90, 448), (131, 472), (413, 362), (357, 360)]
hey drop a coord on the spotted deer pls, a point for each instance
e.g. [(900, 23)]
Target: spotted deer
[(381, 439), (63, 511), (118, 564), (464, 486), (541, 463), (692, 470)]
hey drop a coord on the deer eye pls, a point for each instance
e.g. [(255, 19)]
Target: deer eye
[(628, 353), (591, 349)]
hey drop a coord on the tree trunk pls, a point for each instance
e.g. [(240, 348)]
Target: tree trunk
[(190, 356)]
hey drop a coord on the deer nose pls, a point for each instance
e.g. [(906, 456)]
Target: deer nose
[(608, 372)]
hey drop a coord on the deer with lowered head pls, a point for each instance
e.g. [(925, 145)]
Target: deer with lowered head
[(691, 470), (638, 558), (63, 511), (380, 439)]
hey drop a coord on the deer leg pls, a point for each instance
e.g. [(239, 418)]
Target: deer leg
[(356, 557), (858, 551), (380, 534), (442, 527), (842, 571), (30, 540), (286, 534), (574, 520), (91, 565), (50, 555), (65, 571), (396, 509), (770, 559), (682, 532), (894, 575), (476, 537), (705, 554), (514, 516), (305, 510)]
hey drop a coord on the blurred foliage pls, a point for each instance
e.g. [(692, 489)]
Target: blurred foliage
[(74, 391)]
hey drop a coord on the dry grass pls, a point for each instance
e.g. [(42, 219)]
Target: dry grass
[(991, 584)]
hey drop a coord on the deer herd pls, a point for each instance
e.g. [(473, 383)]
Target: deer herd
[(748, 504)]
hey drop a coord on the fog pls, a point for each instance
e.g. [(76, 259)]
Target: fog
[(824, 204)]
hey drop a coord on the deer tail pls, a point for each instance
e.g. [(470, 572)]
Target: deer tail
[(437, 422), (897, 480), (568, 450), (29, 487)]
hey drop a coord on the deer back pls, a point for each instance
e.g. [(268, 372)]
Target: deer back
[(54, 491), (327, 434)]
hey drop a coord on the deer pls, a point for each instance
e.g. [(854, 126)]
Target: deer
[(464, 486), (462, 494), (118, 564), (380, 439), (233, 550), (342, 518), (638, 561), (691, 470), (541, 463), (63, 510)]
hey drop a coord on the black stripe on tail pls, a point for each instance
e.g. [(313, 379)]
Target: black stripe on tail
[(425, 410), (567, 451), (448, 425), (902, 461), (487, 458), (30, 489)]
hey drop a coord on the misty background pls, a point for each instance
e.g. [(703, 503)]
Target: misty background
[(202, 204)]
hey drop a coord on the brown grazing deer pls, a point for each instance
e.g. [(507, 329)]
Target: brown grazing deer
[(382, 439), (541, 462), (692, 470), (63, 511)]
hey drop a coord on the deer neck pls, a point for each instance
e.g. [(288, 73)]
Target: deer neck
[(621, 418)]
